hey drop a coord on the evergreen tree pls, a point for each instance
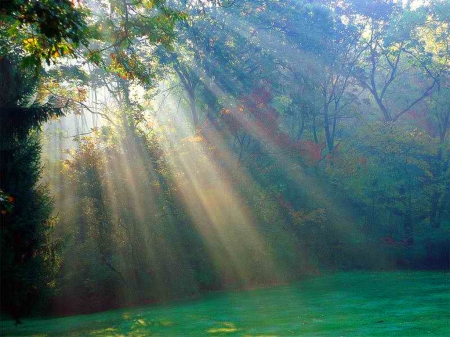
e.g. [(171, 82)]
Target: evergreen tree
[(27, 254)]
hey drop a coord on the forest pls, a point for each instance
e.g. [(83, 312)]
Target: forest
[(224, 167)]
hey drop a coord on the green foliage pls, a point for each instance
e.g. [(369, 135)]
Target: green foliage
[(28, 254), (27, 251), (43, 30), (20, 110), (114, 252)]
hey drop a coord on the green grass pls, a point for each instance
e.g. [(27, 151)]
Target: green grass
[(345, 304)]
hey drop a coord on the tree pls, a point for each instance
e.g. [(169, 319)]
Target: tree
[(32, 32), (395, 54), (27, 253), (437, 125), (44, 30)]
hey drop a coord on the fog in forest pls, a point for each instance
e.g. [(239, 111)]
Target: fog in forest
[(158, 153)]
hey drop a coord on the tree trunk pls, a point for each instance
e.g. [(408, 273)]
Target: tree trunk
[(408, 225), (435, 214), (326, 125), (193, 106), (193, 110)]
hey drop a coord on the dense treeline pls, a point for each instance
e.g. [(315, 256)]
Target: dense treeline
[(242, 144)]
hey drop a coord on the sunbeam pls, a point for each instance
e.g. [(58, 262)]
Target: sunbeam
[(209, 167)]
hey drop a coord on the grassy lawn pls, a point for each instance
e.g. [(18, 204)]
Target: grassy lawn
[(345, 304)]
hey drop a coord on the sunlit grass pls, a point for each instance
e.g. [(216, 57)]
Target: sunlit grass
[(346, 304)]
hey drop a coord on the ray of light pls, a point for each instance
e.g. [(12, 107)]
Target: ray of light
[(217, 210)]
